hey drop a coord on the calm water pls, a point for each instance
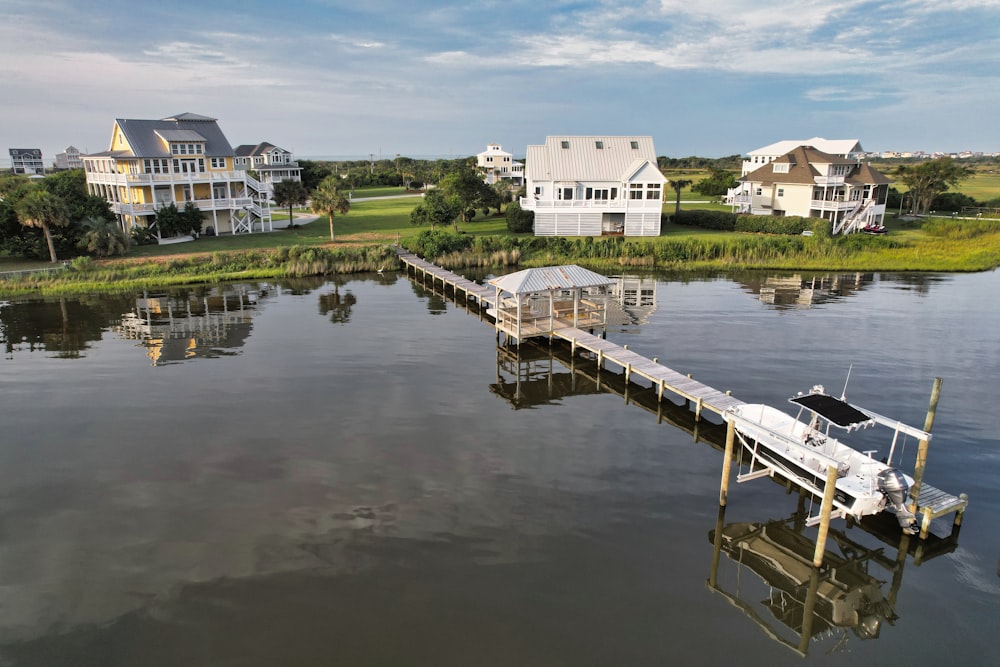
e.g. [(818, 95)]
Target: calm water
[(352, 474)]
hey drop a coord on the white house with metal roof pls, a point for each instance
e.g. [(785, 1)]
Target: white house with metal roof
[(594, 186), (176, 160)]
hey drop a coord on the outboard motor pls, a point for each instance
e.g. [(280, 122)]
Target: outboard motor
[(893, 486)]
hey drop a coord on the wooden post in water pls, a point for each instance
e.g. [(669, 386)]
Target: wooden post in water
[(727, 463), (824, 515), (697, 410), (918, 468)]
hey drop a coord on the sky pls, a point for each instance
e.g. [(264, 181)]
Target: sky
[(443, 79)]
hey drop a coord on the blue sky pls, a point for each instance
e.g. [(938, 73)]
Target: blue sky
[(326, 77)]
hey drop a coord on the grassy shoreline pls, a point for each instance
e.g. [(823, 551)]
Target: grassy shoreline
[(365, 234)]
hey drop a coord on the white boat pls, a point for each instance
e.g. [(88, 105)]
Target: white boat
[(801, 450)]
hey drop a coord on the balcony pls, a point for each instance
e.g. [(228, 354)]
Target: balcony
[(202, 204), (149, 179), (837, 204), (828, 180), (532, 204)]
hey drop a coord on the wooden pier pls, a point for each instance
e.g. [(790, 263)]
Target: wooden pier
[(929, 504)]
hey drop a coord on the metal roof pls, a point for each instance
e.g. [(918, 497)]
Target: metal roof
[(142, 135), (180, 135), (832, 146), (582, 160), (549, 278)]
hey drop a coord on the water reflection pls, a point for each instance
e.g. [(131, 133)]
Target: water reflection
[(185, 324), (804, 290), (631, 300), (65, 327), (829, 605), (337, 304)]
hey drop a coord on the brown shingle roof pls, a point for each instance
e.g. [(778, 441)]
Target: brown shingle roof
[(801, 170)]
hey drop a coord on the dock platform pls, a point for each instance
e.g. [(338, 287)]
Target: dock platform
[(931, 502)]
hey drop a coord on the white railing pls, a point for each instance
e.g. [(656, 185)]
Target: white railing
[(531, 203), (828, 180), (833, 204)]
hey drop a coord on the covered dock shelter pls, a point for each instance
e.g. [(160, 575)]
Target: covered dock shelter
[(537, 302)]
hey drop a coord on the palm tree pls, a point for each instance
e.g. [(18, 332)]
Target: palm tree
[(103, 238), (327, 198), (40, 208), (289, 193), (679, 185)]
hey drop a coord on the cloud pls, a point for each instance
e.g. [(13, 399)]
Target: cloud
[(355, 42)]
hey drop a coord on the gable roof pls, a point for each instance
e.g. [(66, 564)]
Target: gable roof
[(147, 138), (832, 146), (549, 278), (582, 160), (801, 170), (248, 150)]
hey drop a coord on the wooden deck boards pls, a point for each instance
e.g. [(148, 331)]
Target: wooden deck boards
[(672, 381)]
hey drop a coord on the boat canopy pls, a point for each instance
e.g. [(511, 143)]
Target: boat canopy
[(834, 410)]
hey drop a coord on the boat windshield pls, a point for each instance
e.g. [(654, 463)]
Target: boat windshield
[(834, 410)]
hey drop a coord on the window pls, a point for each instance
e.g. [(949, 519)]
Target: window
[(653, 191), (565, 144), (566, 194), (635, 191), (538, 191), (634, 144), (218, 162), (781, 192), (759, 192), (780, 167), (599, 145)]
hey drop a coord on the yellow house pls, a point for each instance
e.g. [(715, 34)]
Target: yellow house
[(180, 159)]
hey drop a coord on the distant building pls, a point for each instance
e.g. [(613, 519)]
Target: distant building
[(594, 186), (176, 160), (498, 165), (270, 163), (70, 159), (810, 183), (27, 161)]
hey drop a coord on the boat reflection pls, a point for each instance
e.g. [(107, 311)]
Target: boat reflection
[(843, 598), (193, 323)]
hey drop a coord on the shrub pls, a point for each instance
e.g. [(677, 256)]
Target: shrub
[(519, 220), (432, 243), (773, 224), (722, 220)]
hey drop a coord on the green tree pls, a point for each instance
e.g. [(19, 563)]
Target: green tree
[(437, 208), (929, 179), (717, 184), (328, 199), (467, 188), (103, 238), (289, 193), (679, 185), (191, 219), (168, 221), (40, 208)]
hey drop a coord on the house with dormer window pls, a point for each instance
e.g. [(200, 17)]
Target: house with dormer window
[(810, 183), (594, 186), (176, 160)]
